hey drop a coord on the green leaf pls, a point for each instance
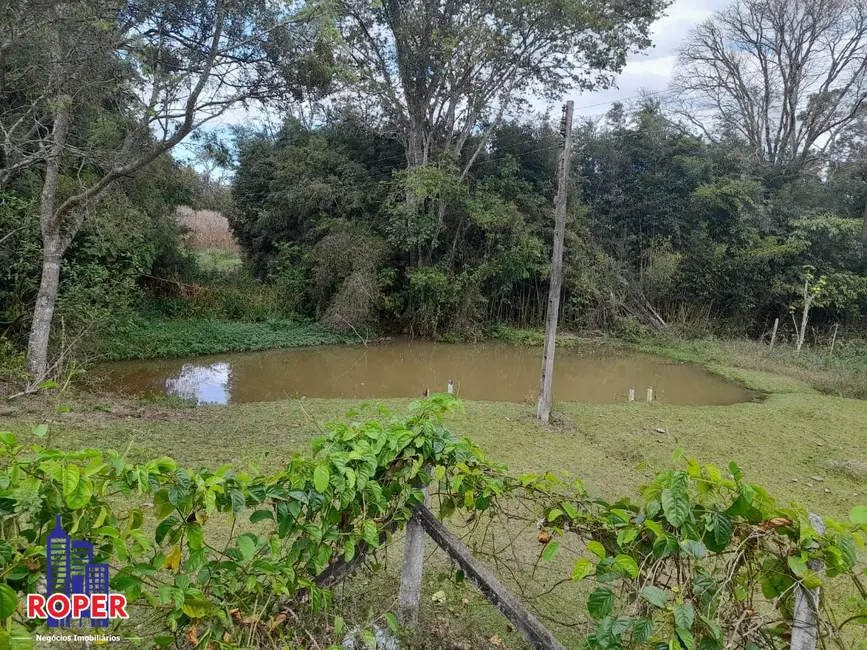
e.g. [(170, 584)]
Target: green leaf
[(694, 548), (370, 534), (81, 494), (338, 627), (597, 549), (655, 596), (675, 505), (261, 515), (720, 533), (348, 550), (625, 564), (858, 515), (369, 639), (196, 607), (556, 512), (550, 550), (40, 431), (195, 536), (247, 545), (582, 569), (70, 479), (686, 638), (641, 631), (8, 438), (391, 619), (8, 602), (321, 476), (684, 615), (600, 603)]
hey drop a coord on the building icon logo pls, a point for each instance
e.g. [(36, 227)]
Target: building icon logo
[(78, 592)]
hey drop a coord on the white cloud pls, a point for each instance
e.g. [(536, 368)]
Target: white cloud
[(651, 70)]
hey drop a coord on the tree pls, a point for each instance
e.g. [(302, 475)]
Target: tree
[(789, 77), (107, 87), (443, 72)]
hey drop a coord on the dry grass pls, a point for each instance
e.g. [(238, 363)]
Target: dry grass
[(207, 229)]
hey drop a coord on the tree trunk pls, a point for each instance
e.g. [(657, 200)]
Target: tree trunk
[(864, 227), (43, 313), (53, 246)]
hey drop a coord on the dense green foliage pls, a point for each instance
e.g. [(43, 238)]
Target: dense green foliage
[(697, 231), (140, 338), (687, 566)]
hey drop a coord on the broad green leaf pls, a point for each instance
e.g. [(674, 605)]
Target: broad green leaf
[(391, 619), (550, 550), (195, 535), (196, 607), (71, 476), (261, 515), (858, 515), (321, 476), (675, 505), (625, 564), (369, 639), (600, 603), (655, 596), (8, 602), (641, 631), (686, 638), (40, 430), (582, 569), (247, 545), (597, 549), (81, 494), (338, 627), (720, 533), (684, 615), (8, 438)]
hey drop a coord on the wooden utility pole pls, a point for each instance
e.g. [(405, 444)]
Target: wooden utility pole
[(544, 410)]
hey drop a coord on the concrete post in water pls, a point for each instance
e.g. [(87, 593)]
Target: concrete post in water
[(650, 393), (451, 387), (631, 394), (805, 624), (409, 596), (774, 333)]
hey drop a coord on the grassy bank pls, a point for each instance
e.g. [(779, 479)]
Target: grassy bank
[(841, 372), (801, 444), (150, 339)]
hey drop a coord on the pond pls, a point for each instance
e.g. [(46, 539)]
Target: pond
[(483, 371)]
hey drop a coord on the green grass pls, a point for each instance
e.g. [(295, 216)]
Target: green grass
[(782, 370), (218, 260), (801, 444), (148, 338)]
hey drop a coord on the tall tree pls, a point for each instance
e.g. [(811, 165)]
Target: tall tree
[(102, 88), (440, 69), (789, 77)]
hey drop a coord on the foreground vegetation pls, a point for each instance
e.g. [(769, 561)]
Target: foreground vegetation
[(315, 514)]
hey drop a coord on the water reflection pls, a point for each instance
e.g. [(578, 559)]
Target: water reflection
[(204, 384), (487, 371)]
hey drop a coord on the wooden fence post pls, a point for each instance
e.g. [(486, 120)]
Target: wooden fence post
[(409, 596), (805, 622), (497, 593), (631, 394), (650, 393)]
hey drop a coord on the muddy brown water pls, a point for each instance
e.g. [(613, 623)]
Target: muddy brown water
[(483, 371)]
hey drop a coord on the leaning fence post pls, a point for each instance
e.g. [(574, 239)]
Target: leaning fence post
[(409, 596), (805, 623)]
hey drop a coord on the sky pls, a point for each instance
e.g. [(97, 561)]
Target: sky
[(652, 69)]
